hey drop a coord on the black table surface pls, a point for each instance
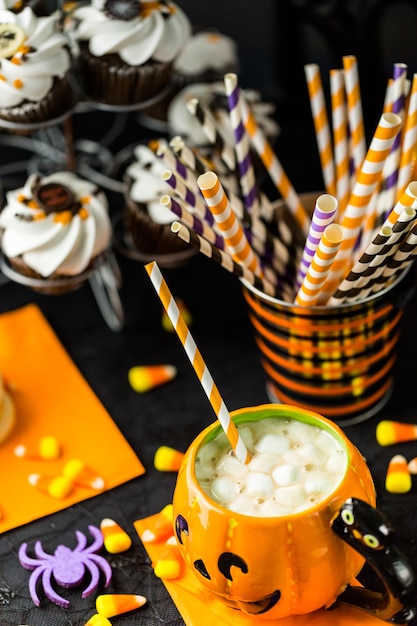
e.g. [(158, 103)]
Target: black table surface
[(173, 414)]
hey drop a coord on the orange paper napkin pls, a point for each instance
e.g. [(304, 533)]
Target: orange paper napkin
[(52, 399), (199, 606)]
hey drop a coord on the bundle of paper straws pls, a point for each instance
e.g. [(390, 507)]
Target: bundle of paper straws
[(362, 232)]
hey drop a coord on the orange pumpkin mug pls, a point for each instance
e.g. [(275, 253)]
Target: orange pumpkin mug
[(288, 538)]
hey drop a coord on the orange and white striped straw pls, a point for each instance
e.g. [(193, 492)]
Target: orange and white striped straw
[(309, 291), (197, 362), (408, 149), (340, 139), (321, 125), (355, 113), (366, 182), (234, 235), (274, 168)]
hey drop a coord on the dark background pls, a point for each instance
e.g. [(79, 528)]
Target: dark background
[(275, 39)]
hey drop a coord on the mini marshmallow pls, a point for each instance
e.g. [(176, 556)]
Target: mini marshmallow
[(311, 454), (223, 489), (208, 453), (284, 475), (231, 466), (272, 443), (262, 462), (336, 463), (291, 496), (301, 432), (325, 443), (246, 435), (260, 485)]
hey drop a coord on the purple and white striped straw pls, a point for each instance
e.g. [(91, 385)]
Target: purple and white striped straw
[(242, 143), (323, 215)]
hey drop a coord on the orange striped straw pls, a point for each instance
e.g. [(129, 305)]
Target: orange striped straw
[(274, 168), (355, 113), (234, 236), (328, 247), (366, 182), (321, 125), (408, 149), (197, 362), (340, 139)]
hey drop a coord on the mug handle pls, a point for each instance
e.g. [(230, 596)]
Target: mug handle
[(369, 532)]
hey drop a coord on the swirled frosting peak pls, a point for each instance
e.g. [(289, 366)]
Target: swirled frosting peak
[(32, 58), (137, 31), (57, 224)]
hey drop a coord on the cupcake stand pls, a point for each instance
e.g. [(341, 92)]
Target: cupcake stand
[(53, 146)]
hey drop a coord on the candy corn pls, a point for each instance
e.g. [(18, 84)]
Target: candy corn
[(412, 466), (48, 449), (398, 479), (160, 526), (56, 486), (166, 322), (389, 432), (145, 377), (115, 538), (167, 459), (81, 475), (98, 620), (112, 604), (169, 564)]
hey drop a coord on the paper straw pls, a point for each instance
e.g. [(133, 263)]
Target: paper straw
[(234, 236), (212, 131), (366, 182), (197, 362), (178, 184), (242, 143), (405, 254), (355, 113), (224, 259), (180, 208), (409, 141), (388, 191), (387, 106), (329, 244), (364, 275), (402, 212), (274, 168), (340, 139), (321, 125), (323, 214), (195, 162), (176, 165)]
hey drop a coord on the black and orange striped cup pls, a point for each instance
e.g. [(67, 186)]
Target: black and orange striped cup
[(335, 360)]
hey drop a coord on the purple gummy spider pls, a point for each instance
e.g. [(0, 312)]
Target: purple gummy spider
[(67, 567)]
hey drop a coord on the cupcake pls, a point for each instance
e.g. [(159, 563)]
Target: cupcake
[(7, 412), (206, 57), (54, 228), (127, 48), (147, 222), (35, 64)]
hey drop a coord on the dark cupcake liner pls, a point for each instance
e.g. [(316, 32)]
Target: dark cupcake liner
[(58, 101), (110, 81), (148, 236)]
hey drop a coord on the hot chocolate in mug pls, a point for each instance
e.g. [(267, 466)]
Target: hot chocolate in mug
[(288, 533)]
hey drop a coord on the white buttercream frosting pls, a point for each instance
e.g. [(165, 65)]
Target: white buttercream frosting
[(29, 74), (182, 122), (147, 186), (62, 241), (207, 50), (157, 32)]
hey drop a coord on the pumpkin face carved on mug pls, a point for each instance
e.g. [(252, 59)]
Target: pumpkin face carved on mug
[(271, 566)]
